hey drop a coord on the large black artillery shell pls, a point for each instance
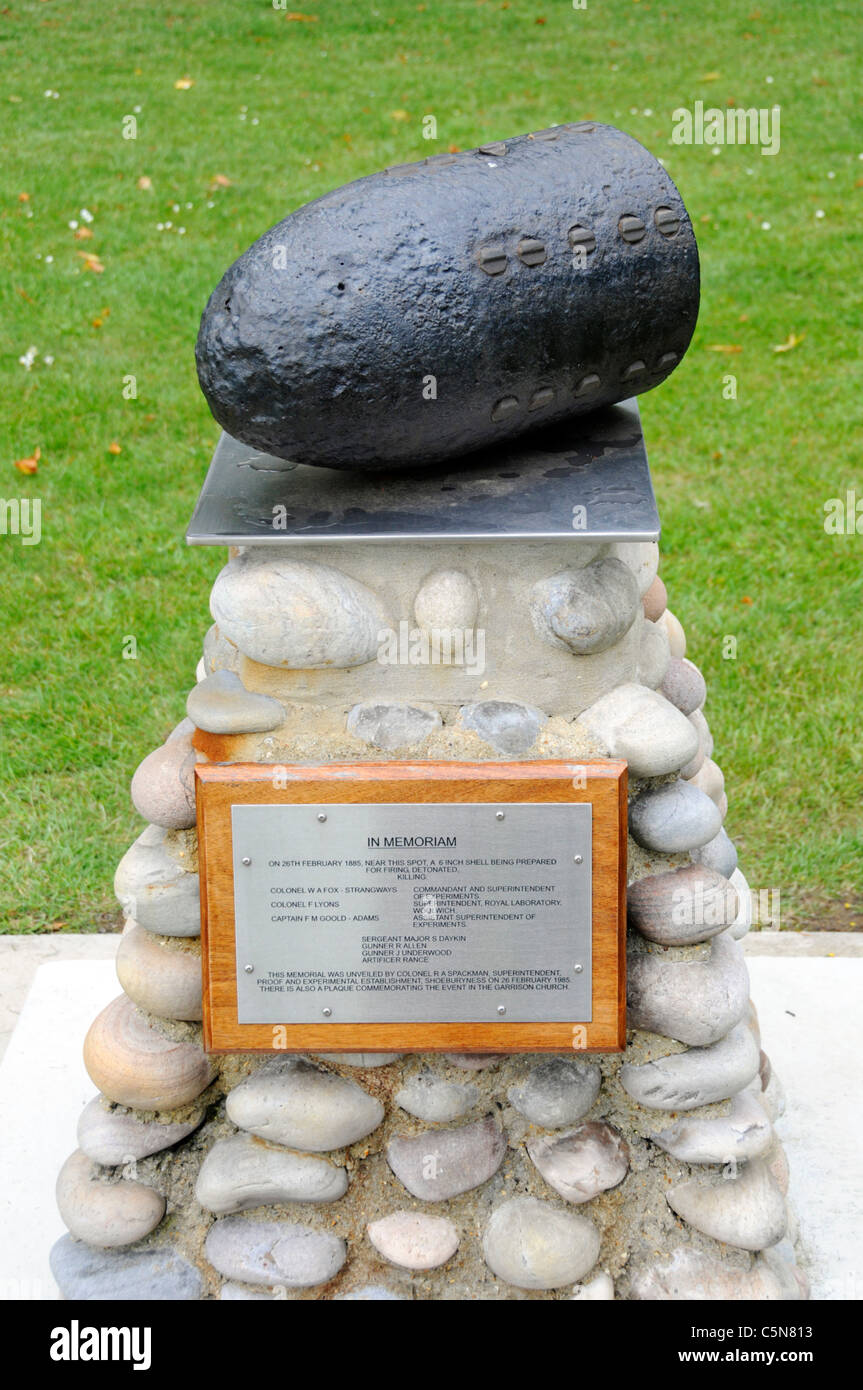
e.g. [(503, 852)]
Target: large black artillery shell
[(438, 307)]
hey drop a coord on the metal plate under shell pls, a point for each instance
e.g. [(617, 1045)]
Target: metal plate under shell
[(402, 913), (586, 480)]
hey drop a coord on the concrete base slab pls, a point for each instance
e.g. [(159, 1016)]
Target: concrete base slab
[(43, 1089), (21, 956), (809, 1011), (811, 1028)]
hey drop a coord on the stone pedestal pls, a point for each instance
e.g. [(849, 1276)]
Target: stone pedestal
[(649, 1175)]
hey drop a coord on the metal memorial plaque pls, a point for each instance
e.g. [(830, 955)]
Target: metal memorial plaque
[(406, 912), (432, 906)]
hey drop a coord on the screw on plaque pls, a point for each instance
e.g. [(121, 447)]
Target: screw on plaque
[(322, 815), (248, 969), (578, 859), (246, 860), (500, 815), (578, 969), (327, 1013), (631, 228), (501, 1008)]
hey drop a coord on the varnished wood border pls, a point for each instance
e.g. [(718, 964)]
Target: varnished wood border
[(221, 786)]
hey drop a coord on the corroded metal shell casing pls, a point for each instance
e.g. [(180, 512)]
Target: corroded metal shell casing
[(440, 307)]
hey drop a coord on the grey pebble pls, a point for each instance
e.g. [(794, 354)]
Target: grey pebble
[(557, 1092), (697, 1076), (441, 1163), (509, 727), (532, 1245), (274, 1252), (221, 704), (433, 1099), (719, 853), (292, 1102), (113, 1136), (389, 727), (160, 1274), (155, 890), (673, 818), (242, 1172), (696, 1002)]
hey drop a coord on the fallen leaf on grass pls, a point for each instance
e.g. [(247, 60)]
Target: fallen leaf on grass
[(145, 182), (83, 234), (23, 197), (746, 599), (91, 262), (301, 18), (29, 465), (399, 115), (220, 181), (24, 295), (724, 347), (114, 447), (710, 77), (183, 84), (790, 342)]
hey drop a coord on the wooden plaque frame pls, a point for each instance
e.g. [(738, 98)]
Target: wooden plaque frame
[(221, 786)]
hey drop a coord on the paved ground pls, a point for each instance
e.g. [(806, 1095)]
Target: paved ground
[(807, 987)]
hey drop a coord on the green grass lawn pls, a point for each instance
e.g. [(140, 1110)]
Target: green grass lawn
[(282, 108)]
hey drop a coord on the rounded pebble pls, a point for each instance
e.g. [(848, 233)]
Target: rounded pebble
[(447, 600), (221, 704), (684, 685), (673, 818), (155, 890), (532, 1245), (286, 612), (435, 1100), (133, 1064), (441, 1163), (695, 1077), (290, 1101), (747, 1211), (557, 1092), (162, 979), (719, 854), (89, 1275), (581, 1164), (696, 1002), (640, 725), (242, 1172), (511, 728), (113, 1137), (681, 907), (587, 610), (413, 1240), (744, 1133), (105, 1214), (163, 787), (676, 635), (655, 600), (274, 1252), (389, 727)]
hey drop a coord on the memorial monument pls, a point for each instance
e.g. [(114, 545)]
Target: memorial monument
[(444, 800)]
